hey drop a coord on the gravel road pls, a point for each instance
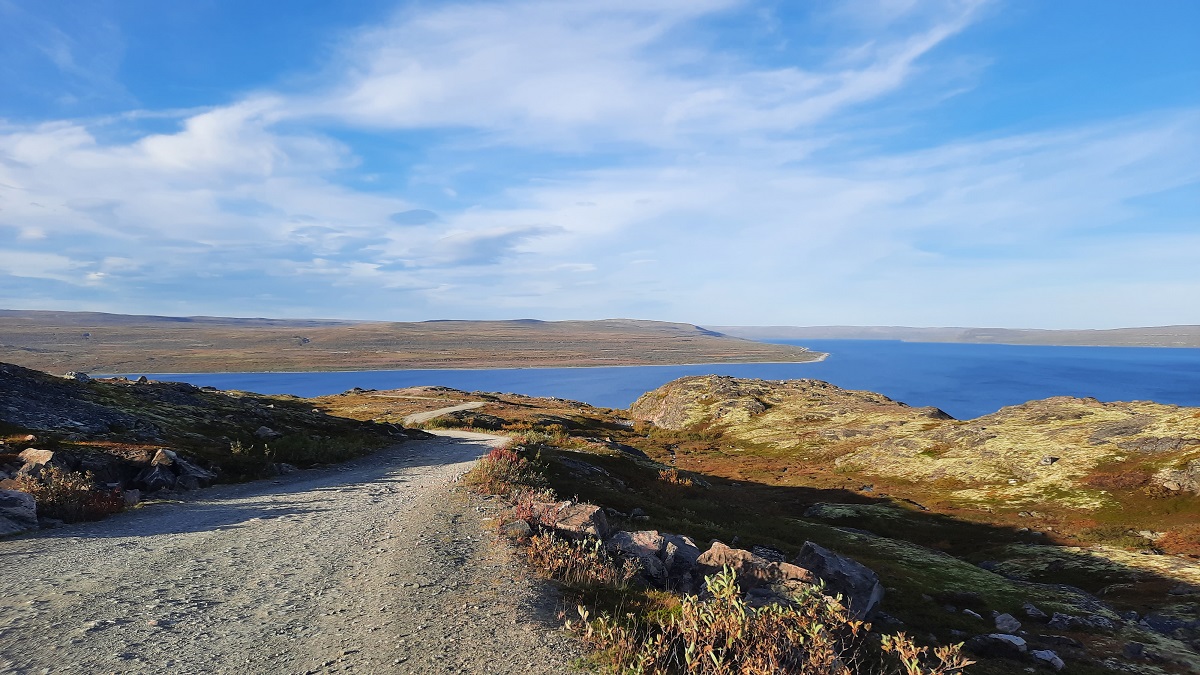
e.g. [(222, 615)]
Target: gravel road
[(417, 418), (379, 565)]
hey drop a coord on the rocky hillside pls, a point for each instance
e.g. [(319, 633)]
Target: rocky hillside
[(1075, 453), (769, 467), (141, 437)]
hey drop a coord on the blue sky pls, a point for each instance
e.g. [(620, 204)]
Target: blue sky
[(885, 162)]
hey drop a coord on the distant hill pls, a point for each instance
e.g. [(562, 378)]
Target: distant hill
[(115, 343), (1161, 336)]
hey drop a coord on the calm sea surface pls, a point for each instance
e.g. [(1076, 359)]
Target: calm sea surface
[(964, 380)]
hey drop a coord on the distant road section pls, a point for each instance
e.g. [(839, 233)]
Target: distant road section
[(1162, 336), (113, 343)]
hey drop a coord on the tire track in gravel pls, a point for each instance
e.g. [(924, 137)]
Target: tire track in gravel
[(378, 565)]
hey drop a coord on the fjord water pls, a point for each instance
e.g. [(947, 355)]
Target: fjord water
[(965, 380)]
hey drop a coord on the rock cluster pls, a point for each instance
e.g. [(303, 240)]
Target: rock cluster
[(674, 562)]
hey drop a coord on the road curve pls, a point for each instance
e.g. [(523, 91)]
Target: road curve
[(378, 565)]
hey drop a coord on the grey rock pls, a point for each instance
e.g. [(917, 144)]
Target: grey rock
[(997, 645), (1063, 621), (1007, 623), (1032, 612), (1046, 657), (131, 496), (18, 512), (266, 433), (517, 529), (155, 478), (1165, 625), (973, 614), (857, 584), (77, 376), (647, 547)]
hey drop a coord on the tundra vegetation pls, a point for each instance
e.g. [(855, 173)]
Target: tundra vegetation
[(1077, 518)]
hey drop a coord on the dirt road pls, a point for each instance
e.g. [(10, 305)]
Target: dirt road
[(376, 566), (417, 418)]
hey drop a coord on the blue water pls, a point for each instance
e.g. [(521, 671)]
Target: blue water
[(964, 380)]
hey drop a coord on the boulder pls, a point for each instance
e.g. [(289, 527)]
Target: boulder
[(266, 433), (1007, 623), (859, 587), (18, 512), (751, 570), (679, 557), (188, 476), (155, 478), (1048, 658), (77, 376), (572, 519), (647, 547), (997, 645), (131, 497)]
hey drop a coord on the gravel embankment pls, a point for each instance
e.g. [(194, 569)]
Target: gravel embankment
[(377, 566)]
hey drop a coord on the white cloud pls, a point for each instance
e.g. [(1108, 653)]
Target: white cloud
[(697, 186)]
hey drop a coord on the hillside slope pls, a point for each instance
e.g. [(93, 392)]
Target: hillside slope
[(1158, 336), (107, 343)]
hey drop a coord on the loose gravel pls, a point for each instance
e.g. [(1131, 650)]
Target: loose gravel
[(381, 565)]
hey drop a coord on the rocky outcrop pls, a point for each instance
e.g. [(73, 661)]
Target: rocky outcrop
[(1186, 479)]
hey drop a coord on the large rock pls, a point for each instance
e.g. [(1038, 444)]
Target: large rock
[(752, 570), (188, 476), (155, 478), (647, 547), (997, 645), (573, 519), (18, 512), (859, 587)]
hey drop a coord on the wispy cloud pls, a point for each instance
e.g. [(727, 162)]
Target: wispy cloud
[(599, 159)]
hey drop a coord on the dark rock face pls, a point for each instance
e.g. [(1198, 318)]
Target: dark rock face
[(35, 400), (858, 585), (18, 512)]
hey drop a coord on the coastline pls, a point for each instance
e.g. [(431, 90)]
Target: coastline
[(821, 356)]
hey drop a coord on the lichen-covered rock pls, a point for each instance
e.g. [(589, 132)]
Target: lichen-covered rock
[(1186, 479)]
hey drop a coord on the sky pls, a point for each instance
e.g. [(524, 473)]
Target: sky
[(1032, 163)]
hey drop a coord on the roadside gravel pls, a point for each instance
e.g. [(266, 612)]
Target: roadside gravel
[(380, 565)]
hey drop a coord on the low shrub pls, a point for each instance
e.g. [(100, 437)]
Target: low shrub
[(579, 563), (673, 477), (723, 635), (501, 472), (70, 496)]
